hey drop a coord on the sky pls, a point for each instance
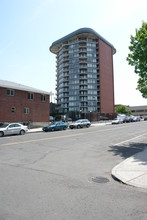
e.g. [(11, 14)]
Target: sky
[(29, 27)]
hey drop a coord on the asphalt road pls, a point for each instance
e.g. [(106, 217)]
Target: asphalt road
[(67, 174)]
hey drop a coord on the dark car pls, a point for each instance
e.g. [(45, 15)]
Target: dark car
[(128, 119), (80, 124), (1, 124), (136, 118), (145, 117), (103, 118), (57, 126)]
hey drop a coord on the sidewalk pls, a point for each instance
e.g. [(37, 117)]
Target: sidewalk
[(34, 130), (133, 171)]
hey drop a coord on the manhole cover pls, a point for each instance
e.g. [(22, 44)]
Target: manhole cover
[(100, 179)]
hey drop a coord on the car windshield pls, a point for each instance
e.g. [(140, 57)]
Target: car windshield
[(78, 121), (4, 125), (52, 124)]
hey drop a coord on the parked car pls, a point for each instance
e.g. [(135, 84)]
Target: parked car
[(13, 128), (136, 118), (103, 118), (128, 119), (55, 126), (117, 121), (145, 117), (69, 119), (1, 124), (122, 116), (80, 124)]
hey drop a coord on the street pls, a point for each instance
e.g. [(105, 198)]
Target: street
[(67, 174)]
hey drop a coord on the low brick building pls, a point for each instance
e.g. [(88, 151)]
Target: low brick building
[(20, 103)]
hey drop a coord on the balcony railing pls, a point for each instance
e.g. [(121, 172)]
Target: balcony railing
[(83, 66), (82, 50)]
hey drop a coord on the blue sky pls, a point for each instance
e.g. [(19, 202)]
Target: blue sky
[(29, 27)]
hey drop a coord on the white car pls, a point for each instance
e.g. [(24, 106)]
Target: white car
[(12, 128), (117, 121)]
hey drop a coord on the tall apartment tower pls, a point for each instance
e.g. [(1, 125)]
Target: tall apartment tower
[(84, 72)]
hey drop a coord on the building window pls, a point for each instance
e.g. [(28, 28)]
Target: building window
[(26, 111), (13, 110), (10, 92), (30, 96), (43, 98)]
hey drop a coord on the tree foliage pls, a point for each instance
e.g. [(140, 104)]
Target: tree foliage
[(138, 57), (121, 109)]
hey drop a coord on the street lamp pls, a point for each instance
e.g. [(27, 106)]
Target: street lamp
[(80, 113), (51, 95), (90, 116)]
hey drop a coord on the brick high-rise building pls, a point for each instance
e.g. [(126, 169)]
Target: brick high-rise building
[(84, 72)]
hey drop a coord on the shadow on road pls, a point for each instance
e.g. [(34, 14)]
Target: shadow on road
[(131, 149)]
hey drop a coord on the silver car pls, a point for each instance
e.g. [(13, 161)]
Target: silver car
[(117, 121), (81, 123), (13, 128)]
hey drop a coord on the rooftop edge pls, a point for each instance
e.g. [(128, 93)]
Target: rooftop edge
[(80, 31)]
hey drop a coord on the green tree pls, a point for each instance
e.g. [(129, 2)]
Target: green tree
[(138, 57), (121, 109)]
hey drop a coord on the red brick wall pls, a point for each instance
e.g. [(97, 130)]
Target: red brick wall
[(39, 111), (106, 78)]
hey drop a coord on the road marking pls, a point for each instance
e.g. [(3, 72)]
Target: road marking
[(130, 139), (59, 137)]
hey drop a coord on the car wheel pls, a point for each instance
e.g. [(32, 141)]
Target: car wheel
[(87, 126), (22, 132), (52, 129), (78, 126), (64, 128), (1, 134)]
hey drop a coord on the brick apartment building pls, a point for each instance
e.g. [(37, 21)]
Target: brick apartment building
[(20, 103), (84, 73)]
